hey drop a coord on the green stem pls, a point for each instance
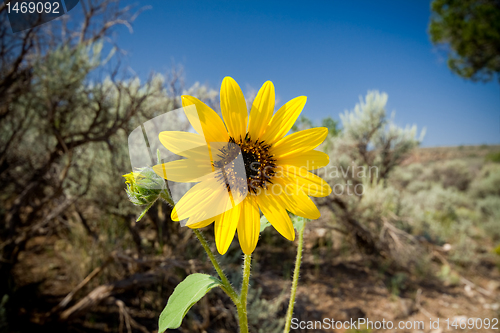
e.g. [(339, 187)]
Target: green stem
[(228, 288), (242, 305), (239, 300), (295, 281)]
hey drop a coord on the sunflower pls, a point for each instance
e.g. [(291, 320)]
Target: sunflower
[(244, 164)]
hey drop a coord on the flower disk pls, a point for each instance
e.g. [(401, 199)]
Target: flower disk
[(260, 166)]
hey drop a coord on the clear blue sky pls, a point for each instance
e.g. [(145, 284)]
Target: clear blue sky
[(330, 51)]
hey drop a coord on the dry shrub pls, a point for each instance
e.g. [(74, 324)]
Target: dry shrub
[(487, 183)]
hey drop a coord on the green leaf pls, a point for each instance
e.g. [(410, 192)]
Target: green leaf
[(264, 223), (298, 222), (185, 295)]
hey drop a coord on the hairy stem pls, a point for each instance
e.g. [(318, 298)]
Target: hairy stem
[(242, 306), (295, 281), (228, 288)]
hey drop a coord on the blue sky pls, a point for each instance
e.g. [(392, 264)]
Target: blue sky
[(331, 51)]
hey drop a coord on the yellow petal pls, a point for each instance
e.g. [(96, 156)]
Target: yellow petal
[(234, 108), (310, 160), (195, 223), (299, 142), (262, 110), (206, 216), (249, 225), (185, 170), (182, 143), (130, 177), (274, 210), (200, 199), (284, 119), (204, 120), (225, 228), (296, 201), (310, 183)]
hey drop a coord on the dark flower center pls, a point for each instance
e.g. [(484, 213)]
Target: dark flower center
[(259, 165)]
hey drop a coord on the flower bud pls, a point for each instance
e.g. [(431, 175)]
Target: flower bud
[(144, 187)]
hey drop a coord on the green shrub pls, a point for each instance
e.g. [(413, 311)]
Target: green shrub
[(493, 157), (263, 315), (488, 182), (497, 250), (489, 206), (453, 173)]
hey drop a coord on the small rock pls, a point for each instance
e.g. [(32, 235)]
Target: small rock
[(460, 319), (468, 291), (321, 232), (446, 247)]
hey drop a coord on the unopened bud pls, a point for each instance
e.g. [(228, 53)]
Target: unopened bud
[(144, 187)]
